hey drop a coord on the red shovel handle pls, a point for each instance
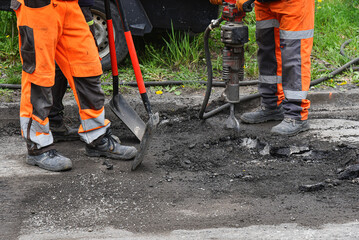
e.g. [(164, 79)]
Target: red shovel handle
[(134, 59), (135, 63)]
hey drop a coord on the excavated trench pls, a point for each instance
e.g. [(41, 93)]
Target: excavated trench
[(196, 175)]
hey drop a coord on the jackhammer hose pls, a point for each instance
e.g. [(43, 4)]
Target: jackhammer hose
[(335, 72), (209, 66), (209, 73), (342, 48), (154, 83)]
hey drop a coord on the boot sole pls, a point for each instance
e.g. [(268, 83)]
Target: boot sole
[(34, 163), (94, 153)]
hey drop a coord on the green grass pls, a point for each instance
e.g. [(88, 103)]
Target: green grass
[(179, 56), (335, 22), (10, 65)]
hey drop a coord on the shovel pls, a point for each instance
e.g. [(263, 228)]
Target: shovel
[(153, 121), (118, 103)]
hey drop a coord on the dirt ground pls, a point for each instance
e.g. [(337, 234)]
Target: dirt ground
[(196, 175)]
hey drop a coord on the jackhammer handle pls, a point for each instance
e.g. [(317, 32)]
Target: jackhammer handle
[(248, 6)]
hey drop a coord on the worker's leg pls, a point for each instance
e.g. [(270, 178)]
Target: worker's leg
[(60, 130), (78, 58), (38, 26), (269, 61), (296, 19), (58, 93)]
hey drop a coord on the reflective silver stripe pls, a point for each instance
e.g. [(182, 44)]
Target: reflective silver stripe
[(92, 123), (296, 34), (89, 137), (295, 94), (267, 24), (41, 140), (270, 79)]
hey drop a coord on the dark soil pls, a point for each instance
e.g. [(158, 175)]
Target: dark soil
[(196, 175)]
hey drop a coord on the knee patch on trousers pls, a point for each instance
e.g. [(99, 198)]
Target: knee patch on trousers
[(41, 100), (27, 49), (89, 92)]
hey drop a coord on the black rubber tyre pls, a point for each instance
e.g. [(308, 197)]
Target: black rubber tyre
[(99, 16)]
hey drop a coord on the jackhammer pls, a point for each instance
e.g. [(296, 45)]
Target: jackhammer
[(234, 34)]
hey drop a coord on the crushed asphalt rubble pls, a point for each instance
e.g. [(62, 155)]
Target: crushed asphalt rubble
[(198, 179)]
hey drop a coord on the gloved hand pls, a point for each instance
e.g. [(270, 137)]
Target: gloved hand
[(244, 5), (216, 2)]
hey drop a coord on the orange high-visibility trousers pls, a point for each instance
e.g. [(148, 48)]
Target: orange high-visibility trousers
[(284, 33), (52, 30)]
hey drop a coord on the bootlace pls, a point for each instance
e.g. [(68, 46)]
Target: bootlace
[(290, 120), (52, 153), (111, 141)]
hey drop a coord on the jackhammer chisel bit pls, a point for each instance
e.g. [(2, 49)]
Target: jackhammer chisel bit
[(232, 122)]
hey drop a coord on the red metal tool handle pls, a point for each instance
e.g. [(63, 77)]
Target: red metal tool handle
[(135, 63)]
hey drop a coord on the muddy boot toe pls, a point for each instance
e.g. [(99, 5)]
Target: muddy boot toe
[(263, 115), (108, 146), (291, 127), (50, 160)]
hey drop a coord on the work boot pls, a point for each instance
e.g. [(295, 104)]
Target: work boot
[(108, 146), (291, 127), (50, 160), (263, 115), (62, 132)]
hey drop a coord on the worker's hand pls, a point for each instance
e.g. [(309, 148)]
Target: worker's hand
[(244, 5), (216, 2)]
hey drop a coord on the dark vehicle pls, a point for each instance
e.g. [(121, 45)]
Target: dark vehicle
[(145, 16)]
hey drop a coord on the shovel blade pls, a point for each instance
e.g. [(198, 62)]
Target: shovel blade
[(151, 126), (129, 117)]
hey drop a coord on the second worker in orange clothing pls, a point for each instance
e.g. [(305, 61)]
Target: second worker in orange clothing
[(284, 34)]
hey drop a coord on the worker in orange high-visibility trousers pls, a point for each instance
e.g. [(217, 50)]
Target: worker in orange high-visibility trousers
[(52, 30), (284, 34), (60, 130)]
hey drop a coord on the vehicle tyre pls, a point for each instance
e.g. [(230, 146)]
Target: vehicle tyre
[(99, 17)]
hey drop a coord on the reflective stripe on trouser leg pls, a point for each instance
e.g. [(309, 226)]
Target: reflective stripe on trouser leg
[(90, 98), (39, 134), (36, 102), (270, 81), (91, 129)]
